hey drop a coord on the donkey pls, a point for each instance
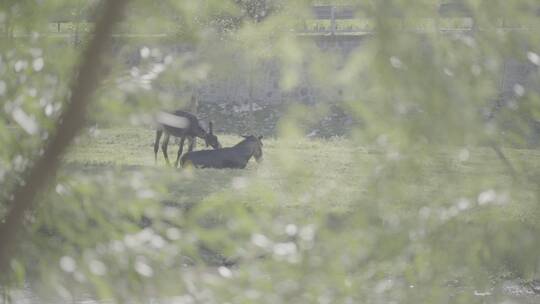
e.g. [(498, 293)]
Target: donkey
[(235, 157), (184, 125)]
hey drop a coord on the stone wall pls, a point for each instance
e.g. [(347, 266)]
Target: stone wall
[(233, 95), (264, 85), (261, 84)]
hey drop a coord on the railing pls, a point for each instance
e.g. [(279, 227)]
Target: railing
[(443, 11), (335, 13)]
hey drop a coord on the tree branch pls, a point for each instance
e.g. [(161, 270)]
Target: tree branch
[(71, 121), (504, 159)]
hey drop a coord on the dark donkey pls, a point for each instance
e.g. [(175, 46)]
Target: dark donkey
[(235, 157), (184, 125)]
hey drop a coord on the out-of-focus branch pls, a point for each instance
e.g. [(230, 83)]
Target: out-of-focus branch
[(71, 121), (504, 159)]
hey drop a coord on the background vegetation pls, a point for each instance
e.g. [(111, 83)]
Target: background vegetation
[(431, 196)]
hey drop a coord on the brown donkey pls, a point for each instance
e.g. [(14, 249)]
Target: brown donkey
[(184, 125), (235, 157)]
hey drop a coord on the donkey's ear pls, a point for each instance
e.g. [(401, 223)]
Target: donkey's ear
[(244, 136), (260, 137), (211, 127)]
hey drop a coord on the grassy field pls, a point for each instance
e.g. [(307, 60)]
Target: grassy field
[(335, 182), (335, 171), (313, 163)]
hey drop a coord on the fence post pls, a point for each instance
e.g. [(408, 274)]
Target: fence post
[(333, 20), (437, 18)]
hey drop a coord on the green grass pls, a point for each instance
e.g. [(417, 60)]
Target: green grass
[(126, 149), (314, 174), (357, 196)]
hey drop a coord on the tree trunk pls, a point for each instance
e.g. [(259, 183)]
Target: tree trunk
[(38, 176)]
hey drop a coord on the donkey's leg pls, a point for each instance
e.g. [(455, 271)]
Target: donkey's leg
[(156, 143), (192, 143), (164, 146), (180, 150)]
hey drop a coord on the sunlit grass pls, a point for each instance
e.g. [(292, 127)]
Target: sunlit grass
[(309, 173)]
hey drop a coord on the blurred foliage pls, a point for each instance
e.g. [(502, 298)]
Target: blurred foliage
[(414, 205)]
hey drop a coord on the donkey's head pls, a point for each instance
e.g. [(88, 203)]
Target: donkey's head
[(210, 139), (256, 146)]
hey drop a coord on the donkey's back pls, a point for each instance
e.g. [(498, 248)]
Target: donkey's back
[(189, 125), (235, 157), (218, 159)]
